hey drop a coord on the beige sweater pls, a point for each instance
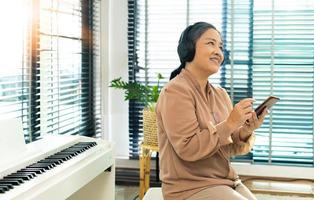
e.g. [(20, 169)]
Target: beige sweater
[(194, 141)]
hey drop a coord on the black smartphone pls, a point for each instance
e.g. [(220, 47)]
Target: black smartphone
[(268, 103)]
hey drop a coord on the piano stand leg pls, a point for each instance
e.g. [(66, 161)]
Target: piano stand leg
[(100, 188)]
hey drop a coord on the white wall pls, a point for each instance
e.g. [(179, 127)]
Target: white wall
[(114, 63)]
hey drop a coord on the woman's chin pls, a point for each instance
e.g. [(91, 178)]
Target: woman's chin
[(214, 69)]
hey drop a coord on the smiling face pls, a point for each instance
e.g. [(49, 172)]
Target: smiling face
[(208, 53)]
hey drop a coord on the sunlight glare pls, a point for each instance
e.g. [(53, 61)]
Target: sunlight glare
[(14, 16)]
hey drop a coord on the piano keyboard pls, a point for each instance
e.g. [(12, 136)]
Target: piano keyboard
[(61, 167), (31, 171)]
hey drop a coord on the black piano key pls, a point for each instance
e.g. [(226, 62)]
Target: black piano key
[(36, 170), (6, 186), (80, 146), (42, 165), (81, 150), (62, 157), (85, 144), (9, 186), (73, 148), (12, 182), (52, 160), (19, 180), (28, 174), (2, 190), (38, 165), (59, 155), (72, 154), (33, 169), (69, 152), (63, 153), (77, 149), (24, 177)]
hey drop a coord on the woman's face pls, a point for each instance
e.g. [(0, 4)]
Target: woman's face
[(208, 53)]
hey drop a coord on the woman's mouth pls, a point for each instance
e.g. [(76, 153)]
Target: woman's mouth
[(215, 59)]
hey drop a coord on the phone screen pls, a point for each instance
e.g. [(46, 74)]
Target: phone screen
[(268, 103)]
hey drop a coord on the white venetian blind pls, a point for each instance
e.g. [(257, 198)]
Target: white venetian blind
[(154, 31), (283, 66), (50, 68), (239, 33), (270, 47), (15, 53), (68, 65)]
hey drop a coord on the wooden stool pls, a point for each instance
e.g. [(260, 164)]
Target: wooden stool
[(145, 156)]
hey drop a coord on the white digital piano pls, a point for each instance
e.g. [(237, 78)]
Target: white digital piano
[(57, 168)]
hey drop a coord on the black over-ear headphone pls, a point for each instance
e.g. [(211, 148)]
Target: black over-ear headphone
[(186, 47), (187, 42)]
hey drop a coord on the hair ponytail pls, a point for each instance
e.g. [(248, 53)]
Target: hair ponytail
[(177, 71)]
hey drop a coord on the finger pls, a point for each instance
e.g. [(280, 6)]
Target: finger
[(253, 119), (248, 110), (256, 120), (248, 116), (249, 121), (264, 113), (254, 116), (246, 105), (246, 102)]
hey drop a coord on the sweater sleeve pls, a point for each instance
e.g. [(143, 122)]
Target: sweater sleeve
[(176, 108), (242, 147), (239, 147)]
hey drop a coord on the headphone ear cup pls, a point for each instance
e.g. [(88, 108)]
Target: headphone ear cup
[(183, 52), (186, 49), (190, 51)]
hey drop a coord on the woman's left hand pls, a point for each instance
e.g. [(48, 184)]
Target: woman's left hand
[(254, 122)]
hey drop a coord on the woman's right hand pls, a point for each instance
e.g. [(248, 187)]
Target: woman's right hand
[(241, 112)]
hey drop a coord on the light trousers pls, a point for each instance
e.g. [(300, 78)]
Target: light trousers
[(223, 192)]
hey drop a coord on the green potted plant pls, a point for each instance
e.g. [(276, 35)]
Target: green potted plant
[(148, 95)]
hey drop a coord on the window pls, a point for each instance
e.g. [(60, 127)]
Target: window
[(15, 74), (283, 66), (54, 68), (270, 51)]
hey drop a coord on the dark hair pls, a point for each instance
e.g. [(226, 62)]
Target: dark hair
[(187, 42)]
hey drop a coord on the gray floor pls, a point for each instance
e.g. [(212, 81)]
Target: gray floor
[(130, 192), (126, 192)]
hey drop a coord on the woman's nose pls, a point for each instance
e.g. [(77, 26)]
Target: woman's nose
[(218, 52)]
